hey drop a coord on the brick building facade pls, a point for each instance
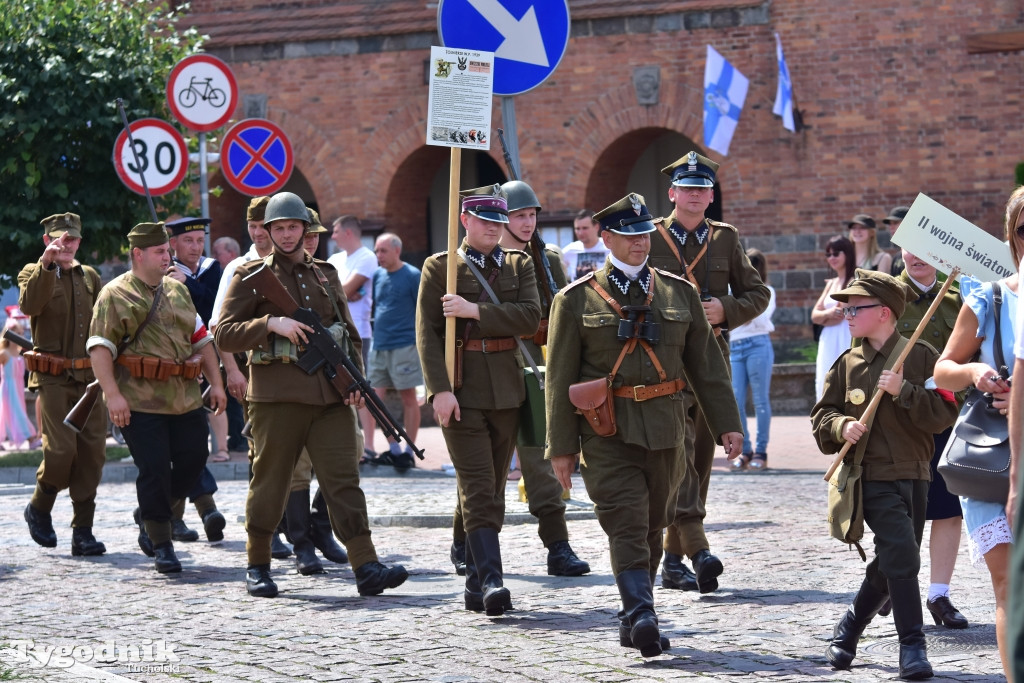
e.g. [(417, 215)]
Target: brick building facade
[(896, 99)]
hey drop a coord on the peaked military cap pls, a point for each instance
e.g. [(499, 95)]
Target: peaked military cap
[(862, 219), (488, 202), (60, 223), (692, 170), (315, 226), (889, 291), (628, 216), (180, 226), (147, 235), (257, 208), (896, 215)]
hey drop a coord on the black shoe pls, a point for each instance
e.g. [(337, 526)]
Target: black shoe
[(40, 527), (180, 532), (675, 574), (213, 524), (562, 561), (403, 462), (373, 578), (278, 549), (145, 545), (945, 614), (258, 581), (708, 568), (458, 555), (625, 640), (83, 543), (166, 561)]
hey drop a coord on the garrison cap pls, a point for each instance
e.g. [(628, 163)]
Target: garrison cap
[(896, 215), (60, 223), (889, 291), (315, 226), (489, 203), (861, 219), (257, 208), (180, 226), (628, 216), (147, 235), (692, 170)]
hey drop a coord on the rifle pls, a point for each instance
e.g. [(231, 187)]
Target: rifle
[(323, 352), (13, 336), (537, 245)]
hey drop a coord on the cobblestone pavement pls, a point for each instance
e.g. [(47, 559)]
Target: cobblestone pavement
[(786, 584)]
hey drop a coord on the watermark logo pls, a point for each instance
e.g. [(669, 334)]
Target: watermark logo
[(147, 655)]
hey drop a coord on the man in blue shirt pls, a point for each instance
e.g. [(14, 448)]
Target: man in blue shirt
[(394, 361)]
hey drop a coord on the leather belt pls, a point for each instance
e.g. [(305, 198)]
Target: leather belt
[(644, 392), (80, 363), (490, 344)]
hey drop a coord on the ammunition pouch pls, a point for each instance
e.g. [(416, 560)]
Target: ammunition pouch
[(593, 400), (540, 337), (52, 364), (281, 350), (161, 369)]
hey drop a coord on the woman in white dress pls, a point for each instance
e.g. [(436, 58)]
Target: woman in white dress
[(835, 333)]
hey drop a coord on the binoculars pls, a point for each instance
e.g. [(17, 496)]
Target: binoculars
[(631, 328)]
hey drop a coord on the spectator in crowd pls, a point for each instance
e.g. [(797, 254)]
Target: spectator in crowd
[(226, 250), (1016, 418), (893, 220), (588, 253), (865, 243), (835, 332), (14, 423)]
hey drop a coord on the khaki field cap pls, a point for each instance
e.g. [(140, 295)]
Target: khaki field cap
[(257, 208), (889, 291), (315, 226), (147, 235), (60, 223)]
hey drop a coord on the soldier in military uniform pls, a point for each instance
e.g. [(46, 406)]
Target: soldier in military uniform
[(58, 292), (709, 255), (543, 491), (479, 416), (151, 382), (290, 409), (642, 335)]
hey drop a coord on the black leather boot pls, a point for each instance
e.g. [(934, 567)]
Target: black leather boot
[(485, 548), (675, 574), (708, 568), (145, 545), (906, 614), (321, 533), (166, 562), (843, 647), (296, 514), (83, 543), (638, 609), (562, 561), (213, 525), (625, 640), (258, 582), (458, 556), (473, 595), (278, 549), (179, 530), (40, 527), (373, 577)]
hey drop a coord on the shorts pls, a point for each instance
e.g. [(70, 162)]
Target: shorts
[(395, 368)]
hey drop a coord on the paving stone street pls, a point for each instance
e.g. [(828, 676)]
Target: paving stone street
[(786, 584)]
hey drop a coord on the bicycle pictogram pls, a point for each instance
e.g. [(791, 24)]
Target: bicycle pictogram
[(201, 89)]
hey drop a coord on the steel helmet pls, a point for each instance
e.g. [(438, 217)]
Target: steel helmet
[(520, 196), (284, 206)]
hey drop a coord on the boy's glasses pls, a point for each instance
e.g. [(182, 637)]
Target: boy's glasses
[(851, 311)]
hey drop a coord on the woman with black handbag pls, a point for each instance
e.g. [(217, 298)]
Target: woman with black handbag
[(986, 325)]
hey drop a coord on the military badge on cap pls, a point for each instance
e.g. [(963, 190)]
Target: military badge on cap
[(628, 216), (488, 202), (692, 170), (60, 223), (857, 396)]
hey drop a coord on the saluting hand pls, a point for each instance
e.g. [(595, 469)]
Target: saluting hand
[(292, 330)]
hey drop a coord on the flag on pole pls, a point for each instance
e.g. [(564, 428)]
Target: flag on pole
[(725, 90), (784, 93)]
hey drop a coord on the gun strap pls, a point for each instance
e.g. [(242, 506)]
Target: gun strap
[(490, 292), (128, 341)]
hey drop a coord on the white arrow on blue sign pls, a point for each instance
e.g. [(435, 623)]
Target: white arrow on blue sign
[(528, 37)]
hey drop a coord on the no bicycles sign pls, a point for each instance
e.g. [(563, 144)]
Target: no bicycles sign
[(202, 92)]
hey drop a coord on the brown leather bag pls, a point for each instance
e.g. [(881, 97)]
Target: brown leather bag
[(458, 363), (593, 400)]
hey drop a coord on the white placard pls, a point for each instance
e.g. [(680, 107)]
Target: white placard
[(943, 239), (459, 107)]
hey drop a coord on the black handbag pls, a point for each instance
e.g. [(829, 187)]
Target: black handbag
[(976, 462)]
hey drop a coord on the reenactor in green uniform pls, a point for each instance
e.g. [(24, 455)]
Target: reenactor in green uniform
[(291, 410), (58, 293), (479, 416), (148, 345), (709, 255), (631, 337), (543, 492)]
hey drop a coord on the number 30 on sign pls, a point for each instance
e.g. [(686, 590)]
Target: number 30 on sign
[(162, 157)]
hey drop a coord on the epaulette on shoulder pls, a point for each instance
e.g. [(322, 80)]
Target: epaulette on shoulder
[(510, 250), (674, 276), (719, 224), (576, 283), (324, 264), (927, 345)]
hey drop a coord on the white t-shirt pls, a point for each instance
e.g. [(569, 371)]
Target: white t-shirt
[(1018, 339), (580, 260), (225, 280), (364, 262), (762, 324)]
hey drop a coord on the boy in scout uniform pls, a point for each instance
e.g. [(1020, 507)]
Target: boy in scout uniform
[(642, 335), (147, 346), (543, 491), (709, 255), (479, 416), (896, 459), (58, 292), (291, 410)]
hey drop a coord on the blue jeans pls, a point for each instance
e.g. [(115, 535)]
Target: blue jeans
[(752, 359)]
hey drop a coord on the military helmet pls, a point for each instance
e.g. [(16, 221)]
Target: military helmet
[(520, 196), (285, 206)]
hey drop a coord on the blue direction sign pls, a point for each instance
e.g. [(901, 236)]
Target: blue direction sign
[(256, 157), (528, 37)]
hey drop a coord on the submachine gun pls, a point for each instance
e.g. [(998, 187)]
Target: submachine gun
[(322, 352)]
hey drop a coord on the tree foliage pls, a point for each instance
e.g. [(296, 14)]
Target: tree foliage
[(63, 64)]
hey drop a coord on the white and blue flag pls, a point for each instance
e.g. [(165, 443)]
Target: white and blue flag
[(784, 92), (725, 90)]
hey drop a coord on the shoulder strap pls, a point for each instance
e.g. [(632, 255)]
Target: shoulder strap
[(127, 341), (330, 295), (997, 343)]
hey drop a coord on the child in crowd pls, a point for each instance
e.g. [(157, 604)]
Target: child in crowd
[(14, 423)]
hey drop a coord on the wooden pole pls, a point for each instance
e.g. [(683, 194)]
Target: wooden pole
[(453, 245), (876, 398)]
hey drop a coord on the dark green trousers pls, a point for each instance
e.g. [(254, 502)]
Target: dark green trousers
[(895, 513)]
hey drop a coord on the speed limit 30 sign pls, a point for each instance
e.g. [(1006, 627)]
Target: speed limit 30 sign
[(162, 157)]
